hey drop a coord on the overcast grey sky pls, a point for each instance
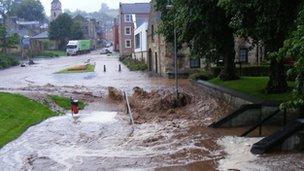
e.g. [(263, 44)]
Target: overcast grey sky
[(86, 5)]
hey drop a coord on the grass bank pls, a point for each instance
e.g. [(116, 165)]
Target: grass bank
[(65, 103), (17, 113), (134, 65), (7, 61), (50, 54), (254, 86), (78, 69)]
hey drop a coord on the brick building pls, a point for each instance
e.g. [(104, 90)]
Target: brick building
[(130, 17)]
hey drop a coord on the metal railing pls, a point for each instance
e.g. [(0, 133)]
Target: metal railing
[(129, 111), (260, 124)]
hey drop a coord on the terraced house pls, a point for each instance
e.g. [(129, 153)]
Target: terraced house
[(131, 16)]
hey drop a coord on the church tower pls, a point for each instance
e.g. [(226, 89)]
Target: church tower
[(56, 9)]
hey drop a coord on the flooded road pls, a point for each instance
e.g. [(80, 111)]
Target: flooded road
[(101, 137), (42, 73)]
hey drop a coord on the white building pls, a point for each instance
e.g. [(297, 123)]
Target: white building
[(141, 42)]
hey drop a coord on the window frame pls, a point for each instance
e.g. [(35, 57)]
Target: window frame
[(128, 47), (128, 18), (246, 56), (125, 30)]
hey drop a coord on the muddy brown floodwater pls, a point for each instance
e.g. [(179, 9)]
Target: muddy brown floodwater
[(101, 138)]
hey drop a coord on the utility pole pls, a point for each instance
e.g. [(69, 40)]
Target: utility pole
[(171, 7)]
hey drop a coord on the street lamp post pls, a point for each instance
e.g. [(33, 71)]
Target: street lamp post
[(170, 6)]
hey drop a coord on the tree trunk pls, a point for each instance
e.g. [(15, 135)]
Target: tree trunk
[(277, 80), (228, 73)]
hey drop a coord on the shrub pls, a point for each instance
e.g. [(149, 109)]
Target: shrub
[(134, 65), (7, 61), (202, 75)]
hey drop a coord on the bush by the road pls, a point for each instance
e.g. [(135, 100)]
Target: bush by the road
[(7, 61), (17, 113), (201, 75), (134, 65)]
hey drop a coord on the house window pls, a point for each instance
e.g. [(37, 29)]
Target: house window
[(127, 30), (243, 55), (137, 41), (128, 18), (195, 63), (128, 43)]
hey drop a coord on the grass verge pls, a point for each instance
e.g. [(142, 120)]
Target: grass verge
[(254, 86), (17, 113), (50, 54), (65, 103), (134, 65), (78, 69)]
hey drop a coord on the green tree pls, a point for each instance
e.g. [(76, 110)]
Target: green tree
[(60, 29), (29, 10), (268, 21), (77, 32), (204, 26), (5, 9), (294, 47)]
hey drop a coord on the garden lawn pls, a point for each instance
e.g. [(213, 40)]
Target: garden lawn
[(17, 113), (65, 103), (254, 86)]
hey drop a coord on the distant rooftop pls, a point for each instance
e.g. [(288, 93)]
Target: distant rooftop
[(43, 35), (135, 8), (56, 1)]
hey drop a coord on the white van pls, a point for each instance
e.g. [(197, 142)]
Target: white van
[(72, 47)]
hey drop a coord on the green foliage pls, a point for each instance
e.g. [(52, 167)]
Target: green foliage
[(49, 54), (76, 31), (65, 102), (267, 22), (294, 46), (31, 10), (8, 41), (204, 26), (78, 69), (48, 44), (7, 61), (202, 75), (134, 65), (63, 29), (254, 86), (17, 113)]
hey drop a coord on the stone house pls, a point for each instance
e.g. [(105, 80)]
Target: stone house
[(131, 16), (161, 53), (88, 27), (247, 53)]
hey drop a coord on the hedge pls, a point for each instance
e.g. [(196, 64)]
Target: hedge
[(7, 61)]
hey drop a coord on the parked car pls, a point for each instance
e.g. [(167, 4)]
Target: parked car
[(105, 51)]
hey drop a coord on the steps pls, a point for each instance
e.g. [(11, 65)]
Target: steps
[(235, 114), (279, 138)]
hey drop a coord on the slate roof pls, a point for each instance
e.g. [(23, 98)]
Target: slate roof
[(135, 8), (43, 35)]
